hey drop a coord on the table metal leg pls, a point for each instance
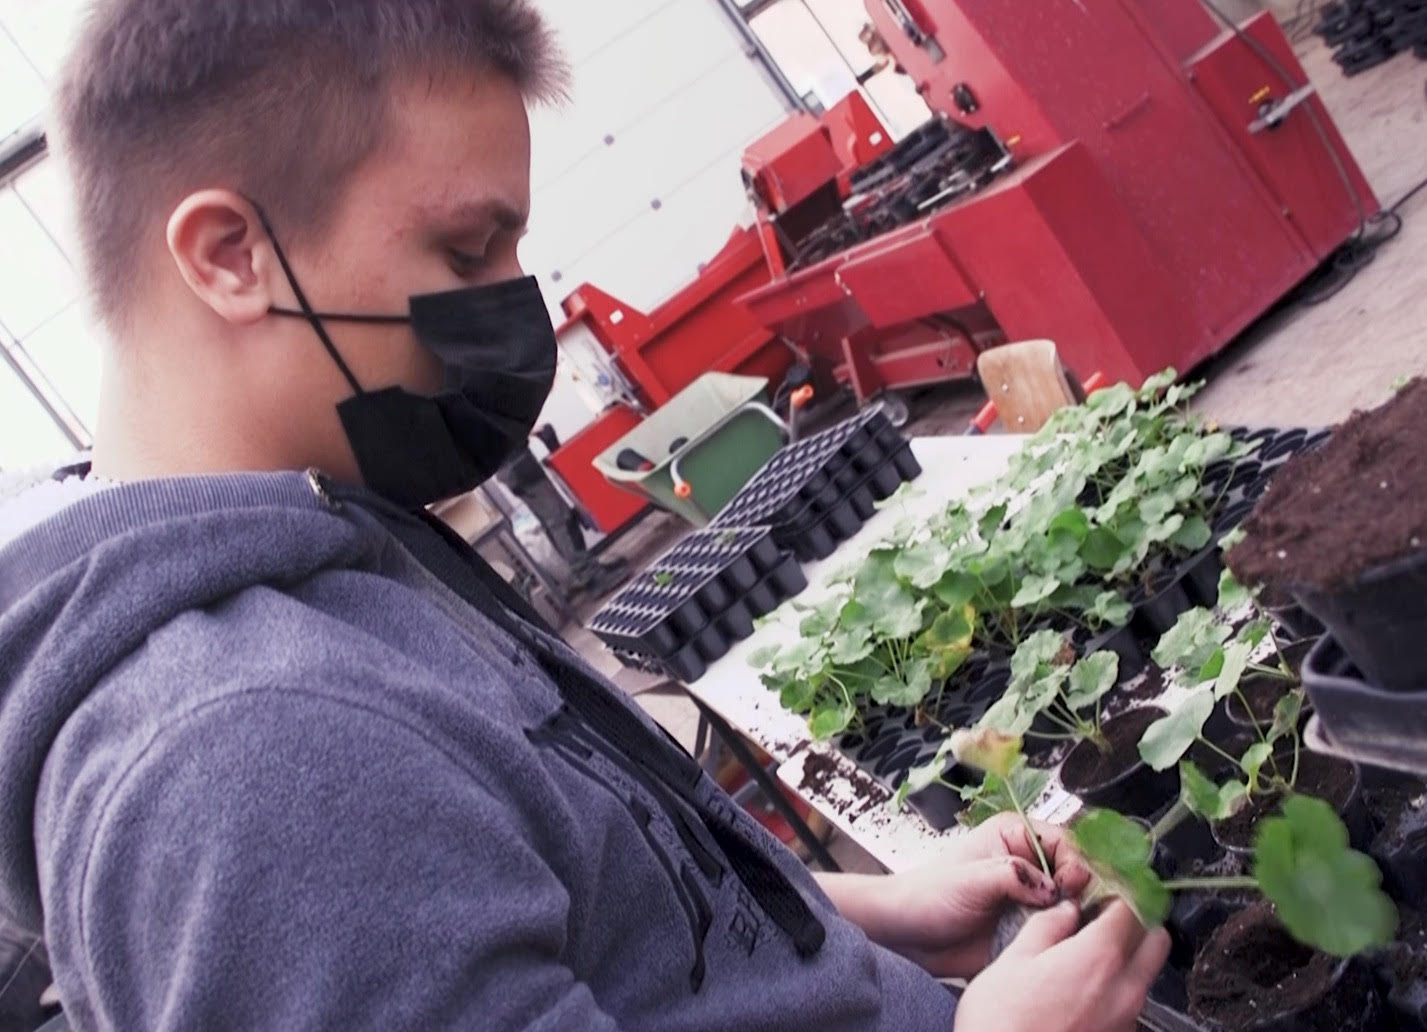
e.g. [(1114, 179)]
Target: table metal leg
[(770, 787)]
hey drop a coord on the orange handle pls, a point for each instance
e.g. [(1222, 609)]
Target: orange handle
[(801, 396), (683, 489)]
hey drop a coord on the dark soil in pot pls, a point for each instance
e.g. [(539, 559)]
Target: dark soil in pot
[(1119, 779), (1345, 531), (1401, 970), (1252, 975), (1264, 691), (1398, 808), (1333, 781)]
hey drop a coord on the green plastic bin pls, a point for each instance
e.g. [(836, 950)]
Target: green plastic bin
[(727, 432)]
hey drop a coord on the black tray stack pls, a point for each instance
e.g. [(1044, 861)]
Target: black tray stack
[(818, 492), (1365, 33), (695, 601)]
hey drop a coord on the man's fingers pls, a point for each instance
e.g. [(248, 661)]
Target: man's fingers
[(1071, 874), (1044, 930), (1116, 931), (1149, 959), (1024, 882)]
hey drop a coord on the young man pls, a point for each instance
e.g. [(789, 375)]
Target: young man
[(278, 753)]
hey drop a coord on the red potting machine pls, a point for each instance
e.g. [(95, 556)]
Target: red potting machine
[(1116, 175), (637, 361), (1119, 176)]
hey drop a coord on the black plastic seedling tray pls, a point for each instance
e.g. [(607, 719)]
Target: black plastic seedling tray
[(820, 491), (691, 604), (892, 741)]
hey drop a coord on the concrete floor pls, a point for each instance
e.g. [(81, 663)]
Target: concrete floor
[(1297, 366)]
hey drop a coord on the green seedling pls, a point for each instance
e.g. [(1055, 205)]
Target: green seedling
[(1048, 681), (1328, 895), (1008, 784)]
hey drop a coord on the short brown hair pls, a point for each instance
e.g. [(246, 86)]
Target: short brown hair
[(278, 99)]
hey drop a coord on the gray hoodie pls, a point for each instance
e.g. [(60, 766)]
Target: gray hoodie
[(276, 756)]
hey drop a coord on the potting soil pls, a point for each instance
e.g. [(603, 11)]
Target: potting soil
[(1321, 776), (1357, 502), (1087, 766), (1252, 969)]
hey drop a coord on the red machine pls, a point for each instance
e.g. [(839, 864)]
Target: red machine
[(1112, 174), (637, 361)]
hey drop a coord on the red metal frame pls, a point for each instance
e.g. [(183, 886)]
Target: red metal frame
[(608, 506), (1145, 225)]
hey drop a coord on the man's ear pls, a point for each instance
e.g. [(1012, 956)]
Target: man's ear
[(215, 238)]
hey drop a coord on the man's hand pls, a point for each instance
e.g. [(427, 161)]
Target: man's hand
[(1053, 979), (943, 916)]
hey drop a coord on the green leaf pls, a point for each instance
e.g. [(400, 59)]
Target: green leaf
[(1193, 534), (905, 691), (988, 750), (1040, 650), (1008, 715), (1285, 715), (1251, 763), (851, 646), (797, 696), (1091, 678), (1117, 851), (894, 611), (1169, 738), (1111, 609), (997, 795), (948, 640), (1328, 895), (761, 657), (831, 719), (1207, 800), (1034, 588), (1227, 542), (956, 589), (1236, 661), (1102, 549), (1158, 382), (1232, 594), (820, 621), (1191, 641), (1111, 401), (922, 565)]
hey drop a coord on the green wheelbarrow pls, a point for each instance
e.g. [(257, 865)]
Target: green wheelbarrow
[(697, 451)]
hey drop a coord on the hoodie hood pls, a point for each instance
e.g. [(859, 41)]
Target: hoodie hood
[(71, 608)]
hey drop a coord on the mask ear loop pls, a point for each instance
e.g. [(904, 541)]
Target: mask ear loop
[(307, 311)]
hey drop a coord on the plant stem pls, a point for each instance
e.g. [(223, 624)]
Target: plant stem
[(1221, 752), (1229, 882), (1274, 672), (1031, 832), (1052, 738), (1169, 821)]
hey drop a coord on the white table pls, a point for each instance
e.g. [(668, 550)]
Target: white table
[(951, 467)]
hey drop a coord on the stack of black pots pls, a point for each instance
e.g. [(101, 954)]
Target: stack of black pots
[(688, 608), (1365, 33), (818, 492)]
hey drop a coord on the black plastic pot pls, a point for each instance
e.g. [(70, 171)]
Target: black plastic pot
[(692, 603), (1157, 612), (1380, 621), (1400, 849), (1122, 642), (1357, 714), (1299, 622), (1354, 812), (819, 491), (1350, 1002), (1200, 574), (1137, 791)]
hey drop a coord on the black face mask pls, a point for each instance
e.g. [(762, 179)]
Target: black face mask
[(497, 349)]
